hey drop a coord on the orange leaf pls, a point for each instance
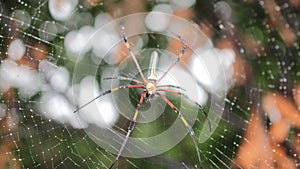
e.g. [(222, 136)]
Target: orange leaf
[(255, 144), (279, 131), (277, 102)]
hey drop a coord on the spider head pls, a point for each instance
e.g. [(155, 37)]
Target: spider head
[(151, 88)]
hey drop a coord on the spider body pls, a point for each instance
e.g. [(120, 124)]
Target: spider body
[(152, 78), (151, 88)]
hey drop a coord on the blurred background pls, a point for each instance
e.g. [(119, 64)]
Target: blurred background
[(55, 53)]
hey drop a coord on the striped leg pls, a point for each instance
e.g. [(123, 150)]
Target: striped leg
[(107, 92), (188, 127), (191, 100), (130, 128), (170, 86), (178, 59), (124, 78), (122, 27)]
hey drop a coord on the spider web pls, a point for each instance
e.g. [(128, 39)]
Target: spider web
[(38, 131)]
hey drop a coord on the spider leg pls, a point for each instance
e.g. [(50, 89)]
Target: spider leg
[(170, 86), (188, 127), (177, 60), (107, 92), (191, 100), (130, 128), (124, 78), (122, 27)]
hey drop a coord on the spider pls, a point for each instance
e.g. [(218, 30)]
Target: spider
[(150, 87)]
